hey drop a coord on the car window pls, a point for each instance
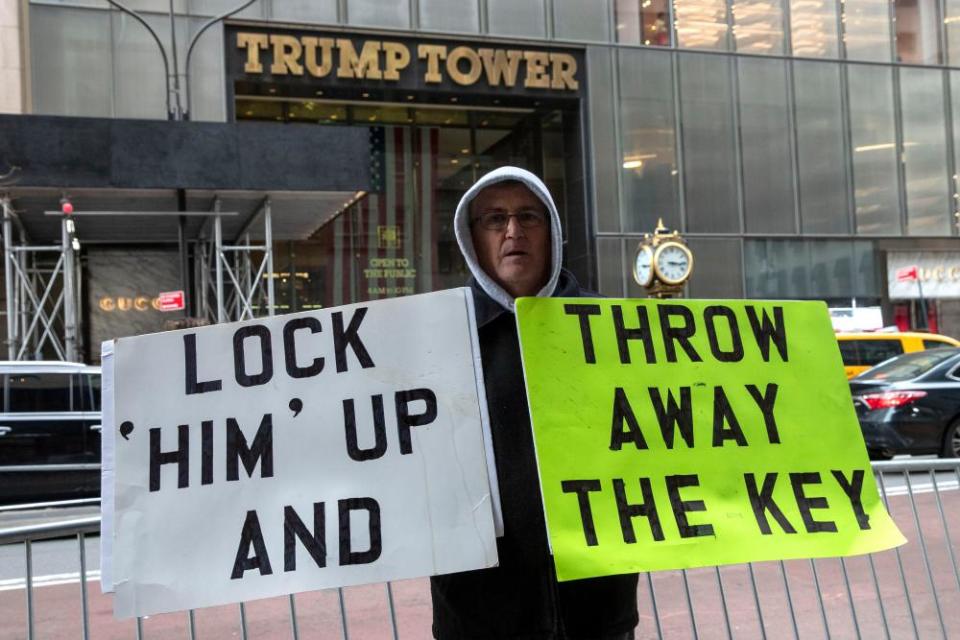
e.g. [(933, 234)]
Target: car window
[(37, 392), (91, 392), (849, 353), (935, 344), (876, 351), (909, 366)]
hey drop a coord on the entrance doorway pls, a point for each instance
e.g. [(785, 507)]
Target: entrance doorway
[(398, 238)]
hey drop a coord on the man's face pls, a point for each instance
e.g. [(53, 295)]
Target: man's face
[(516, 256)]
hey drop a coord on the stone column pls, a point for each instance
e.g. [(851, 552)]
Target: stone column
[(12, 64)]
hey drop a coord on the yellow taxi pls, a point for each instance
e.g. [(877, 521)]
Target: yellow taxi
[(860, 351)]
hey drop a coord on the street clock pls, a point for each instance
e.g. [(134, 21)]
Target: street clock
[(663, 263)]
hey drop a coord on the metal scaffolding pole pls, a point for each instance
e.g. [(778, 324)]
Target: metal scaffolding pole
[(68, 240), (11, 298), (268, 241), (218, 258)]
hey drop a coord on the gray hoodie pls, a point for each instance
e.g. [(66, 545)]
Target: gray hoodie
[(461, 224)]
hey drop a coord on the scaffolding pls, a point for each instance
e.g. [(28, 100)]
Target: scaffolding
[(232, 281), (41, 302), (239, 277)]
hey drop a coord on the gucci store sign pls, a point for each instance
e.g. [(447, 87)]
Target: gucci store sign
[(938, 274)]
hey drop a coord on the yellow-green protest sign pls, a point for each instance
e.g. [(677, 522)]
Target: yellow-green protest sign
[(678, 434)]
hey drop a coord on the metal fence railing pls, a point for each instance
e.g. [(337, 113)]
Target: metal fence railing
[(909, 592)]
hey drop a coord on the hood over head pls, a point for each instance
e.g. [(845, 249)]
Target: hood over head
[(461, 223)]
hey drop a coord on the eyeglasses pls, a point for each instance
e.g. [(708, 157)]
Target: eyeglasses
[(499, 221)]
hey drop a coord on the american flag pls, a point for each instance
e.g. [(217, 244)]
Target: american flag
[(394, 227)]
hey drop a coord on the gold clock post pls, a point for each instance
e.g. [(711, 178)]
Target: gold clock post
[(663, 262)]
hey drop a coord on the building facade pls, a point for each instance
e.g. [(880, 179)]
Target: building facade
[(807, 149)]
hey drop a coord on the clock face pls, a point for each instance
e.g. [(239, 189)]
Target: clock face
[(643, 266), (673, 262)]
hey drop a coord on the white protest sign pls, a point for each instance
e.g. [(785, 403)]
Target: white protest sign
[(323, 449)]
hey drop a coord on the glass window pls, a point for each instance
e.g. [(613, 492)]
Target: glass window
[(925, 152), (758, 26), (830, 270), (823, 182), (512, 18), (449, 15), (813, 28), (866, 284), (717, 271), (701, 24), (38, 392), (910, 366), (255, 11), (605, 161), (849, 353), (709, 160), (305, 11), (917, 24), (955, 117), (649, 170), (642, 22), (138, 69), (952, 24), (611, 267), (76, 42), (875, 183), (578, 20), (765, 147), (379, 13), (876, 351), (91, 392), (207, 87), (867, 29), (935, 344)]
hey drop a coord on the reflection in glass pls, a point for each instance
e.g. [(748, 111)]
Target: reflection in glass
[(955, 115), (649, 171), (379, 13), (578, 20), (611, 267), (643, 22), (717, 271), (822, 162), (512, 18), (867, 29), (835, 270), (952, 23), (709, 159), (758, 26), (603, 142), (925, 152), (701, 24), (767, 163), (450, 15), (875, 184), (86, 36), (302, 11), (813, 28), (917, 24)]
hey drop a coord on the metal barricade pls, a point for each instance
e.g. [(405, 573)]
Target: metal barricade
[(909, 592)]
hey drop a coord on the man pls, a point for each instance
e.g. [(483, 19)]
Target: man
[(509, 232)]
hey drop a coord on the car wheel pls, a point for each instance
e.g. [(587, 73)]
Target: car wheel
[(880, 454), (951, 441)]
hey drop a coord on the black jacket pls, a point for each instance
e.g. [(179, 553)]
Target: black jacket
[(521, 598)]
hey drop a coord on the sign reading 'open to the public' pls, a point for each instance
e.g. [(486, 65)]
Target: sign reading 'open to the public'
[(683, 434), (299, 452)]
